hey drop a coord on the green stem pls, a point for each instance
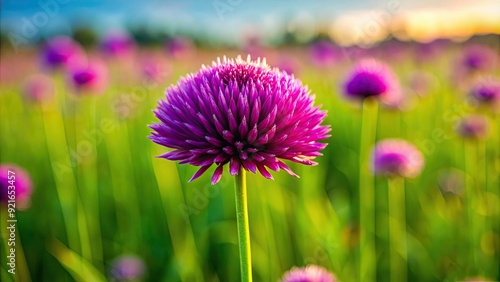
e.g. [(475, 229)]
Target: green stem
[(367, 253), (243, 228), (473, 196), (397, 230)]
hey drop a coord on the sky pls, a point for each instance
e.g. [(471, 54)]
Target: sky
[(235, 20)]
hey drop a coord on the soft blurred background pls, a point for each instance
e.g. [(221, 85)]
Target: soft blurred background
[(79, 79)]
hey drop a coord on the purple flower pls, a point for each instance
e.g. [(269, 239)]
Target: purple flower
[(473, 127), (241, 113), (478, 58), (89, 78), (323, 53), (62, 52), (396, 157), (117, 44), (39, 88), (487, 92), (371, 78), (20, 180), (127, 268), (310, 273)]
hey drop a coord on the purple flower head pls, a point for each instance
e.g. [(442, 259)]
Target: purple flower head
[(478, 58), (310, 273), (371, 78), (39, 88), (473, 127), (89, 78), (19, 179), (126, 268), (62, 52), (117, 44), (179, 46), (487, 92), (323, 53), (241, 113), (396, 157)]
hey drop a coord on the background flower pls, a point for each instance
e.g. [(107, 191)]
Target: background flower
[(473, 127), (127, 268), (372, 78), (63, 52), (396, 157), (21, 182), (91, 78), (310, 273)]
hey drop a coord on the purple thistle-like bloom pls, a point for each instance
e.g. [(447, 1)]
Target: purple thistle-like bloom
[(89, 78), (126, 268), (117, 44), (63, 52), (310, 273), (371, 78), (39, 88), (473, 127), (396, 157), (241, 113), (21, 180)]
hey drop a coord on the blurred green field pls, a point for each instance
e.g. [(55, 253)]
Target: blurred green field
[(99, 191)]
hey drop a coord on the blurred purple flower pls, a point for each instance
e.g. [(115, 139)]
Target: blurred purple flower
[(371, 78), (396, 157), (117, 44), (473, 127), (39, 88), (90, 78), (126, 268), (21, 180), (310, 273), (178, 46), (62, 52), (241, 113), (487, 92), (323, 53), (477, 57)]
